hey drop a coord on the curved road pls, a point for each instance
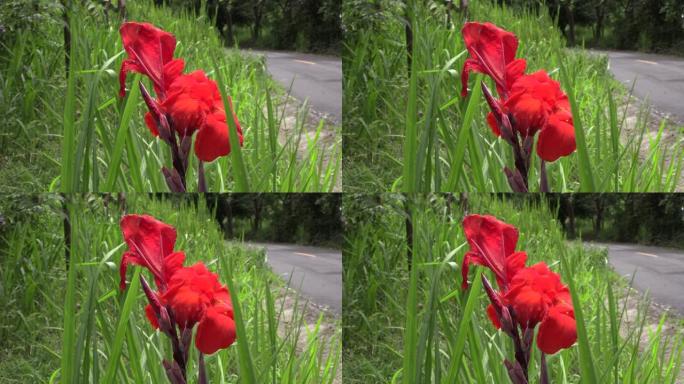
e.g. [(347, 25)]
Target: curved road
[(317, 78), (660, 271), (659, 78), (314, 271)]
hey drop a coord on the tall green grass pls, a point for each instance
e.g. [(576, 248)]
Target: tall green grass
[(415, 133), (31, 83), (418, 326), (32, 281), (107, 147)]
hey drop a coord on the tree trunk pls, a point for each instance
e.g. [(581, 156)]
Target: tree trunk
[(463, 8), (600, 16), (258, 12), (464, 202), (571, 25), (256, 219), (598, 219), (229, 26), (122, 9), (571, 218)]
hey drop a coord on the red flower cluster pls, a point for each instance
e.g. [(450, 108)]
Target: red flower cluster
[(186, 295), (527, 296), (187, 103), (527, 103)]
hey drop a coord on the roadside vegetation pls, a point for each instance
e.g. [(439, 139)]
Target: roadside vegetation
[(406, 318), (408, 129), (73, 324)]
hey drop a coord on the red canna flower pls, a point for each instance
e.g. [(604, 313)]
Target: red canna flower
[(492, 52), (194, 104), (150, 52), (492, 244), (191, 291), (527, 297), (195, 296), (184, 104), (533, 291), (150, 245), (526, 105), (537, 104), (186, 296)]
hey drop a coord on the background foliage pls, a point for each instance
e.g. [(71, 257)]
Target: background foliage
[(309, 219), (302, 25), (655, 219)]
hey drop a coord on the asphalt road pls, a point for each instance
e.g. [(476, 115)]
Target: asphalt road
[(659, 78), (315, 272), (660, 271), (317, 78)]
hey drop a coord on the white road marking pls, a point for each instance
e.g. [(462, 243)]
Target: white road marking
[(647, 254), (648, 62), (305, 62), (304, 254)]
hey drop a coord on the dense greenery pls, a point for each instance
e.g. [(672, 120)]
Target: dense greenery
[(32, 84), (643, 218), (307, 218), (408, 129), (32, 283), (647, 25), (406, 319), (302, 25)]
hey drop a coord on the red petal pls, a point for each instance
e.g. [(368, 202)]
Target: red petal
[(128, 258), (150, 49), (514, 70), (151, 124), (212, 139), (150, 240), (173, 263), (215, 331), (491, 312), (493, 124), (151, 316), (493, 48), (492, 240), (530, 305), (128, 65), (514, 263), (470, 65), (557, 138), (557, 331)]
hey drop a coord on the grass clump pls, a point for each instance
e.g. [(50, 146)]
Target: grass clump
[(408, 130), (407, 325)]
